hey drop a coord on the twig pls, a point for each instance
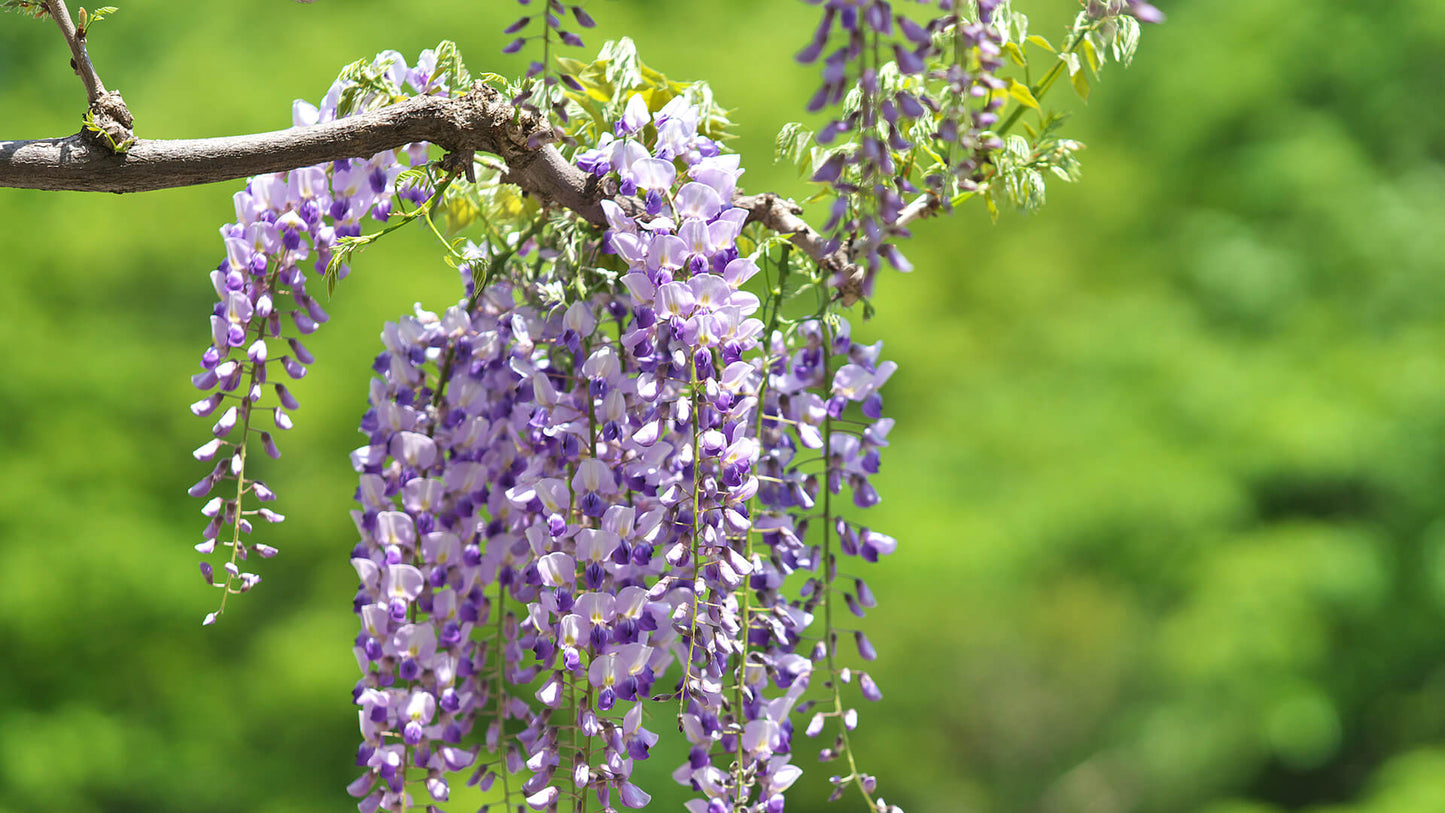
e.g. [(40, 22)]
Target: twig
[(108, 122), (79, 58), (783, 216)]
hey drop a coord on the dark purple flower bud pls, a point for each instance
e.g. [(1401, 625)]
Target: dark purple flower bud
[(582, 17), (810, 54), (869, 689), (895, 258), (593, 575), (517, 26), (206, 405), (302, 354), (226, 423), (514, 46), (913, 31), (409, 669), (816, 103), (702, 363), (641, 556), (908, 61), (293, 367), (865, 647), (831, 169)]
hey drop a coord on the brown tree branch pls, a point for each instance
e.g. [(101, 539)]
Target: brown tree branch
[(784, 216), (482, 120)]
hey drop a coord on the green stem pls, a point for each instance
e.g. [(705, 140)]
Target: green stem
[(830, 637), (245, 409), (775, 303), (1041, 87), (499, 652), (696, 515)]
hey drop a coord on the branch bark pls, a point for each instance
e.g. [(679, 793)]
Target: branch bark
[(482, 120)]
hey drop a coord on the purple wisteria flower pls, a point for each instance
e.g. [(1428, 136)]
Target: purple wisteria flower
[(286, 229), (571, 511), (943, 74), (573, 516)]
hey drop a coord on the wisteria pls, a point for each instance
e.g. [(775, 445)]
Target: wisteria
[(286, 231), (570, 512), (619, 487), (546, 94), (917, 106)]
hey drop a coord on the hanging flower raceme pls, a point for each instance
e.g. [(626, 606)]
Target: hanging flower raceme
[(569, 507), (916, 100), (286, 228), (941, 87)]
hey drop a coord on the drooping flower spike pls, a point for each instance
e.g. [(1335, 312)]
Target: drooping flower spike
[(286, 229), (572, 511)]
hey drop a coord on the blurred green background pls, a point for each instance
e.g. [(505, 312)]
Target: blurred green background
[(1166, 478)]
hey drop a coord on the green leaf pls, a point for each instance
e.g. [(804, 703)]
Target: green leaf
[(1091, 55), (792, 142), (1022, 94), (1080, 81), (89, 19), (1016, 54), (31, 8), (1126, 40), (570, 65), (1041, 42), (1071, 61), (622, 68), (343, 249), (449, 64)]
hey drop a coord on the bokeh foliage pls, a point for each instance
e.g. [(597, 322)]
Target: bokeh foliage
[(1166, 475)]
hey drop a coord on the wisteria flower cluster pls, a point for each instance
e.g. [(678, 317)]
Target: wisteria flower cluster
[(570, 513), (918, 105), (616, 488), (286, 230), (941, 75)]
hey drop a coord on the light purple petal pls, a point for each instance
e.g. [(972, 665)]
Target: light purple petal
[(653, 173), (697, 200)]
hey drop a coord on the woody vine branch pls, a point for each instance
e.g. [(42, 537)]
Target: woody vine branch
[(481, 120)]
